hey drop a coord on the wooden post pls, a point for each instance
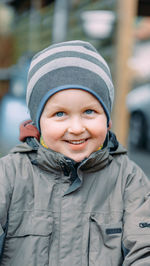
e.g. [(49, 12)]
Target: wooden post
[(126, 10)]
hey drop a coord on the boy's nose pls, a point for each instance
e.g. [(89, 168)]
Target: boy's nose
[(76, 126)]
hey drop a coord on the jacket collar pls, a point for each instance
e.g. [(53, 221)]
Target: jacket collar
[(47, 158)]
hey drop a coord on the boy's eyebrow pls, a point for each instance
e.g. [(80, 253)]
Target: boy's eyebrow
[(93, 105), (62, 106), (54, 105), (59, 105), (84, 106)]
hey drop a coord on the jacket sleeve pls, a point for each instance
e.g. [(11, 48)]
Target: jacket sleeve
[(5, 197), (136, 223)]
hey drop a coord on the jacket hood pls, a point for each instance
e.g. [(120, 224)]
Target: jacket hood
[(27, 129)]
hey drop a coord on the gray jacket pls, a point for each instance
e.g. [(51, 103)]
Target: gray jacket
[(55, 212)]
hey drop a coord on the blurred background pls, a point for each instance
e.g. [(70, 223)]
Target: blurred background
[(120, 30)]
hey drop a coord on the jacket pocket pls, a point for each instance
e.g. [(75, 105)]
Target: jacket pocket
[(29, 223), (28, 239), (104, 243)]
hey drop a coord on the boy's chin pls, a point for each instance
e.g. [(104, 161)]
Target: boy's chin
[(78, 157)]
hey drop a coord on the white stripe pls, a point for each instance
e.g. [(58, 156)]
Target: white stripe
[(65, 49), (71, 62)]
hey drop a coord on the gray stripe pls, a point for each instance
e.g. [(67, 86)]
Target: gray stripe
[(58, 63), (80, 49), (65, 55)]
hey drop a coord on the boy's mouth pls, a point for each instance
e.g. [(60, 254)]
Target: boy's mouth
[(77, 142)]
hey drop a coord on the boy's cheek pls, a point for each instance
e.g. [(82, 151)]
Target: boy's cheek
[(51, 128), (53, 134)]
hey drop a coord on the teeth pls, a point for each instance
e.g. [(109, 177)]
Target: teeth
[(77, 141)]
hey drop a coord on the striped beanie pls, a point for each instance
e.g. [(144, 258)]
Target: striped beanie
[(68, 65)]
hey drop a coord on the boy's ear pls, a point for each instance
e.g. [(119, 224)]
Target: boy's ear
[(109, 125)]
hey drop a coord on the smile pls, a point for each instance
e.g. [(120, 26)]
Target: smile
[(76, 142)]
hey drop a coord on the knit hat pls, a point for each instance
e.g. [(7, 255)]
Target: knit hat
[(68, 65)]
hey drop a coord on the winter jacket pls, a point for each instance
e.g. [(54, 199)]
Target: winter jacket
[(55, 212)]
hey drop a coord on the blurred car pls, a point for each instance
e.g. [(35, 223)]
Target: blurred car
[(13, 107), (138, 104)]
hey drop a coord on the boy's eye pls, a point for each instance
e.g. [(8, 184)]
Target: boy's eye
[(60, 114), (89, 112)]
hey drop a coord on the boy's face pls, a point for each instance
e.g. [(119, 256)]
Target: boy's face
[(73, 123)]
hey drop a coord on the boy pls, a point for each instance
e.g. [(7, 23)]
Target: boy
[(70, 195)]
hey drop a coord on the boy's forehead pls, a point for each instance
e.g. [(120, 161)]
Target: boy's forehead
[(73, 96)]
